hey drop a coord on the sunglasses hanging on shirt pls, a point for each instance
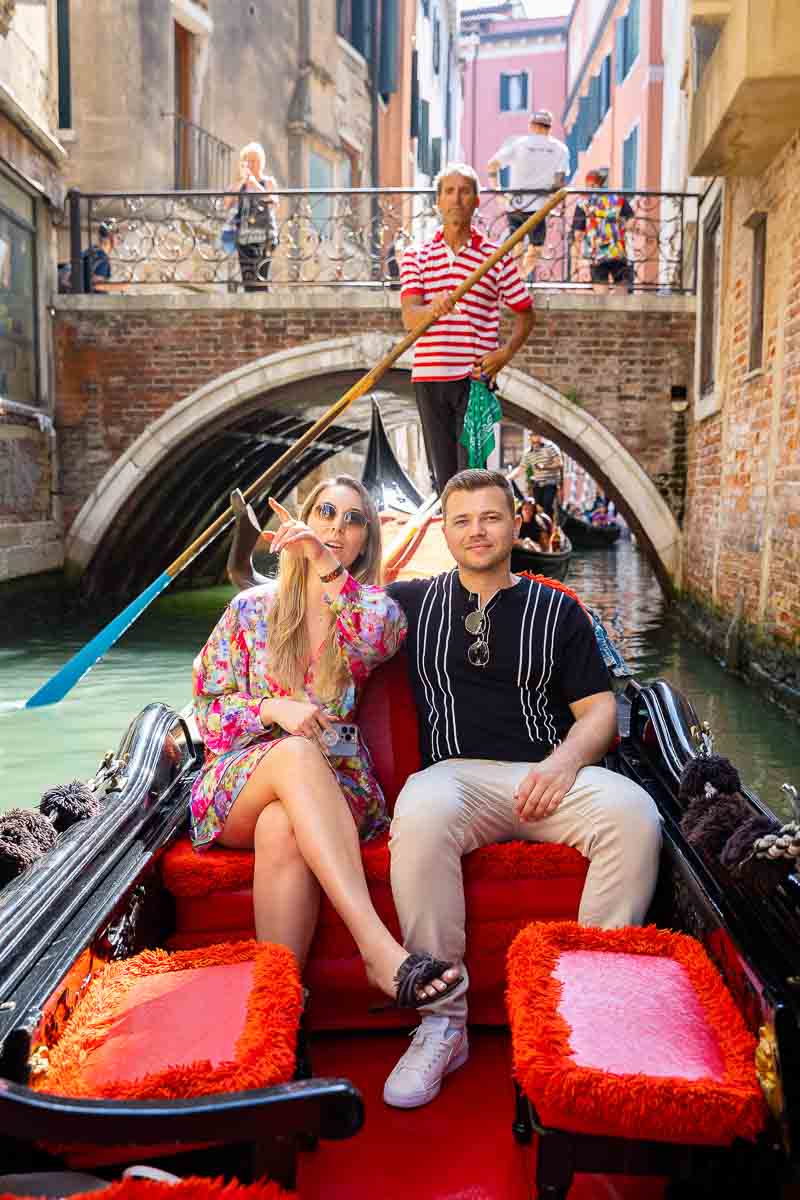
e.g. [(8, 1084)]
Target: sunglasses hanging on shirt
[(477, 624)]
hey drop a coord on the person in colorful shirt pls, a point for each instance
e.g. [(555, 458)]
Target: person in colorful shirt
[(280, 671), (599, 227)]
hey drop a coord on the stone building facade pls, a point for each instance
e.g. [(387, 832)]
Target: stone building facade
[(31, 196)]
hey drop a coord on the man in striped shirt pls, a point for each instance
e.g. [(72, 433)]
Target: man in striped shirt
[(463, 342), (545, 467), (515, 711)]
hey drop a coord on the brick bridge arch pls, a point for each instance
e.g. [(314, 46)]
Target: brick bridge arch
[(527, 399)]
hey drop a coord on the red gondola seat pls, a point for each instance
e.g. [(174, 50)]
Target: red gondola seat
[(507, 886)]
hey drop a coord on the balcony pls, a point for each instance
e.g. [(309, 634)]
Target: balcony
[(747, 92)]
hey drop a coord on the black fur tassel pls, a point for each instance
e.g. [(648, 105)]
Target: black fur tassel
[(25, 836), (68, 803)]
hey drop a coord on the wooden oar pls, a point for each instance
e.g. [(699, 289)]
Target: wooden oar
[(64, 680)]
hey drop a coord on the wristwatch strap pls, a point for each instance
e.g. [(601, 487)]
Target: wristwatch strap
[(334, 574)]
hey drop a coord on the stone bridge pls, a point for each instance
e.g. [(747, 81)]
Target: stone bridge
[(160, 397)]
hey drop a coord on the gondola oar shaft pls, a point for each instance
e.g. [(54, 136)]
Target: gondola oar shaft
[(64, 680)]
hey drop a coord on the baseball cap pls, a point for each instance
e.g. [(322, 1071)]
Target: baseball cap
[(541, 116)]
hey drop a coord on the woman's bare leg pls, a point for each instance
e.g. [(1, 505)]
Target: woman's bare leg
[(295, 774), (285, 891)]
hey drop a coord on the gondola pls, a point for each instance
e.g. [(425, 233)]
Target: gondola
[(585, 535), (554, 564), (126, 880), (382, 475)]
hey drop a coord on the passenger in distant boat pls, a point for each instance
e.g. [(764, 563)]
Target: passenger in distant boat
[(515, 711), (275, 690), (463, 343), (534, 532)]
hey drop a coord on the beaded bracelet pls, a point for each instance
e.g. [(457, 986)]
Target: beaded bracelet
[(334, 574)]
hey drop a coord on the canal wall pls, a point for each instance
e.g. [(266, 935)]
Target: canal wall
[(31, 535), (742, 527)]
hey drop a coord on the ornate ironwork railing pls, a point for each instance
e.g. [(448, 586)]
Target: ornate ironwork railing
[(201, 160), (174, 240)]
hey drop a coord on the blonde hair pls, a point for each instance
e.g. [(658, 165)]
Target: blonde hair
[(288, 643), (255, 148)]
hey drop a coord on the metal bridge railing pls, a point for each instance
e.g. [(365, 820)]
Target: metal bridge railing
[(174, 240)]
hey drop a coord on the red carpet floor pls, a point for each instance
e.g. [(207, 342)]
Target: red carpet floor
[(459, 1147)]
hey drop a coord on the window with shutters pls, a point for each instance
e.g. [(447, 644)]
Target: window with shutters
[(758, 224), (626, 48), (414, 130), (504, 178), (710, 286), (630, 161), (436, 155), (353, 23), (424, 138), (605, 86), (437, 45), (514, 92)]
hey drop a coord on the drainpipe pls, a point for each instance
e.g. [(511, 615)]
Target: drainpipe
[(374, 165), (299, 117)]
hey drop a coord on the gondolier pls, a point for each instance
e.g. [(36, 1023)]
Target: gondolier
[(544, 469), (463, 343)]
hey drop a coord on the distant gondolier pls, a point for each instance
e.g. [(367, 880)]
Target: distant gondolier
[(463, 343), (544, 469)]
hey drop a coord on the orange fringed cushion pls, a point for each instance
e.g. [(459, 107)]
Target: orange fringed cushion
[(191, 1188), (188, 872), (630, 1033), (170, 1026)]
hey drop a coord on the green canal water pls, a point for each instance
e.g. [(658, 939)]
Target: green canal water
[(42, 747)]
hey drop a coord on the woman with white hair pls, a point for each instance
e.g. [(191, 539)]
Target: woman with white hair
[(256, 226)]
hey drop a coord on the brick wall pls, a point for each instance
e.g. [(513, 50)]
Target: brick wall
[(120, 363), (743, 496)]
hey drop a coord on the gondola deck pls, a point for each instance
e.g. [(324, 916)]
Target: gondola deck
[(460, 1147)]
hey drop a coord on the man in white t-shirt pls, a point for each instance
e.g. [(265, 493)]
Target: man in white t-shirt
[(539, 163)]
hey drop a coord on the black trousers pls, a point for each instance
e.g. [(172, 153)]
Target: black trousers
[(545, 494), (442, 404)]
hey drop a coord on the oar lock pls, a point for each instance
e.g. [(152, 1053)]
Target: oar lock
[(108, 777)]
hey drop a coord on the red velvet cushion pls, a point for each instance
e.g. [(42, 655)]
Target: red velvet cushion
[(630, 1033), (388, 722)]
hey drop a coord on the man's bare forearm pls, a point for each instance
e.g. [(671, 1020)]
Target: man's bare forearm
[(520, 331), (591, 735)]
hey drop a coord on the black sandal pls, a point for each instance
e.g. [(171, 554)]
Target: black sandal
[(414, 972)]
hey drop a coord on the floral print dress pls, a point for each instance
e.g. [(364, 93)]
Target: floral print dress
[(231, 677)]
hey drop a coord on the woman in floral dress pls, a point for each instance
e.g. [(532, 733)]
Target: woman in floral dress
[(285, 662)]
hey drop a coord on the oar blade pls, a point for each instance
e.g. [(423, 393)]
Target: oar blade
[(58, 685)]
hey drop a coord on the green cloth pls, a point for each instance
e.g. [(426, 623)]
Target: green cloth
[(483, 412)]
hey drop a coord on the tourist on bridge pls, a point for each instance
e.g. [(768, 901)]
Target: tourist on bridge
[(599, 229), (256, 227), (463, 343), (538, 164)]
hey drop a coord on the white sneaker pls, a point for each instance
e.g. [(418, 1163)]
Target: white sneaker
[(435, 1051)]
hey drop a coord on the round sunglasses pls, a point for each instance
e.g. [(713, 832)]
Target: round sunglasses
[(329, 512)]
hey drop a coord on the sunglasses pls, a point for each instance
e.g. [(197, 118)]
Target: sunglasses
[(329, 512), (477, 624)]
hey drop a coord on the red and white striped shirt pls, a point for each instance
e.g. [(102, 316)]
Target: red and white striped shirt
[(458, 340)]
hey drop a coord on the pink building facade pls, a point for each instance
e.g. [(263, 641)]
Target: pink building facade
[(615, 82), (511, 66)]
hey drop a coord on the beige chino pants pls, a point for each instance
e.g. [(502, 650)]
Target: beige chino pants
[(457, 805)]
